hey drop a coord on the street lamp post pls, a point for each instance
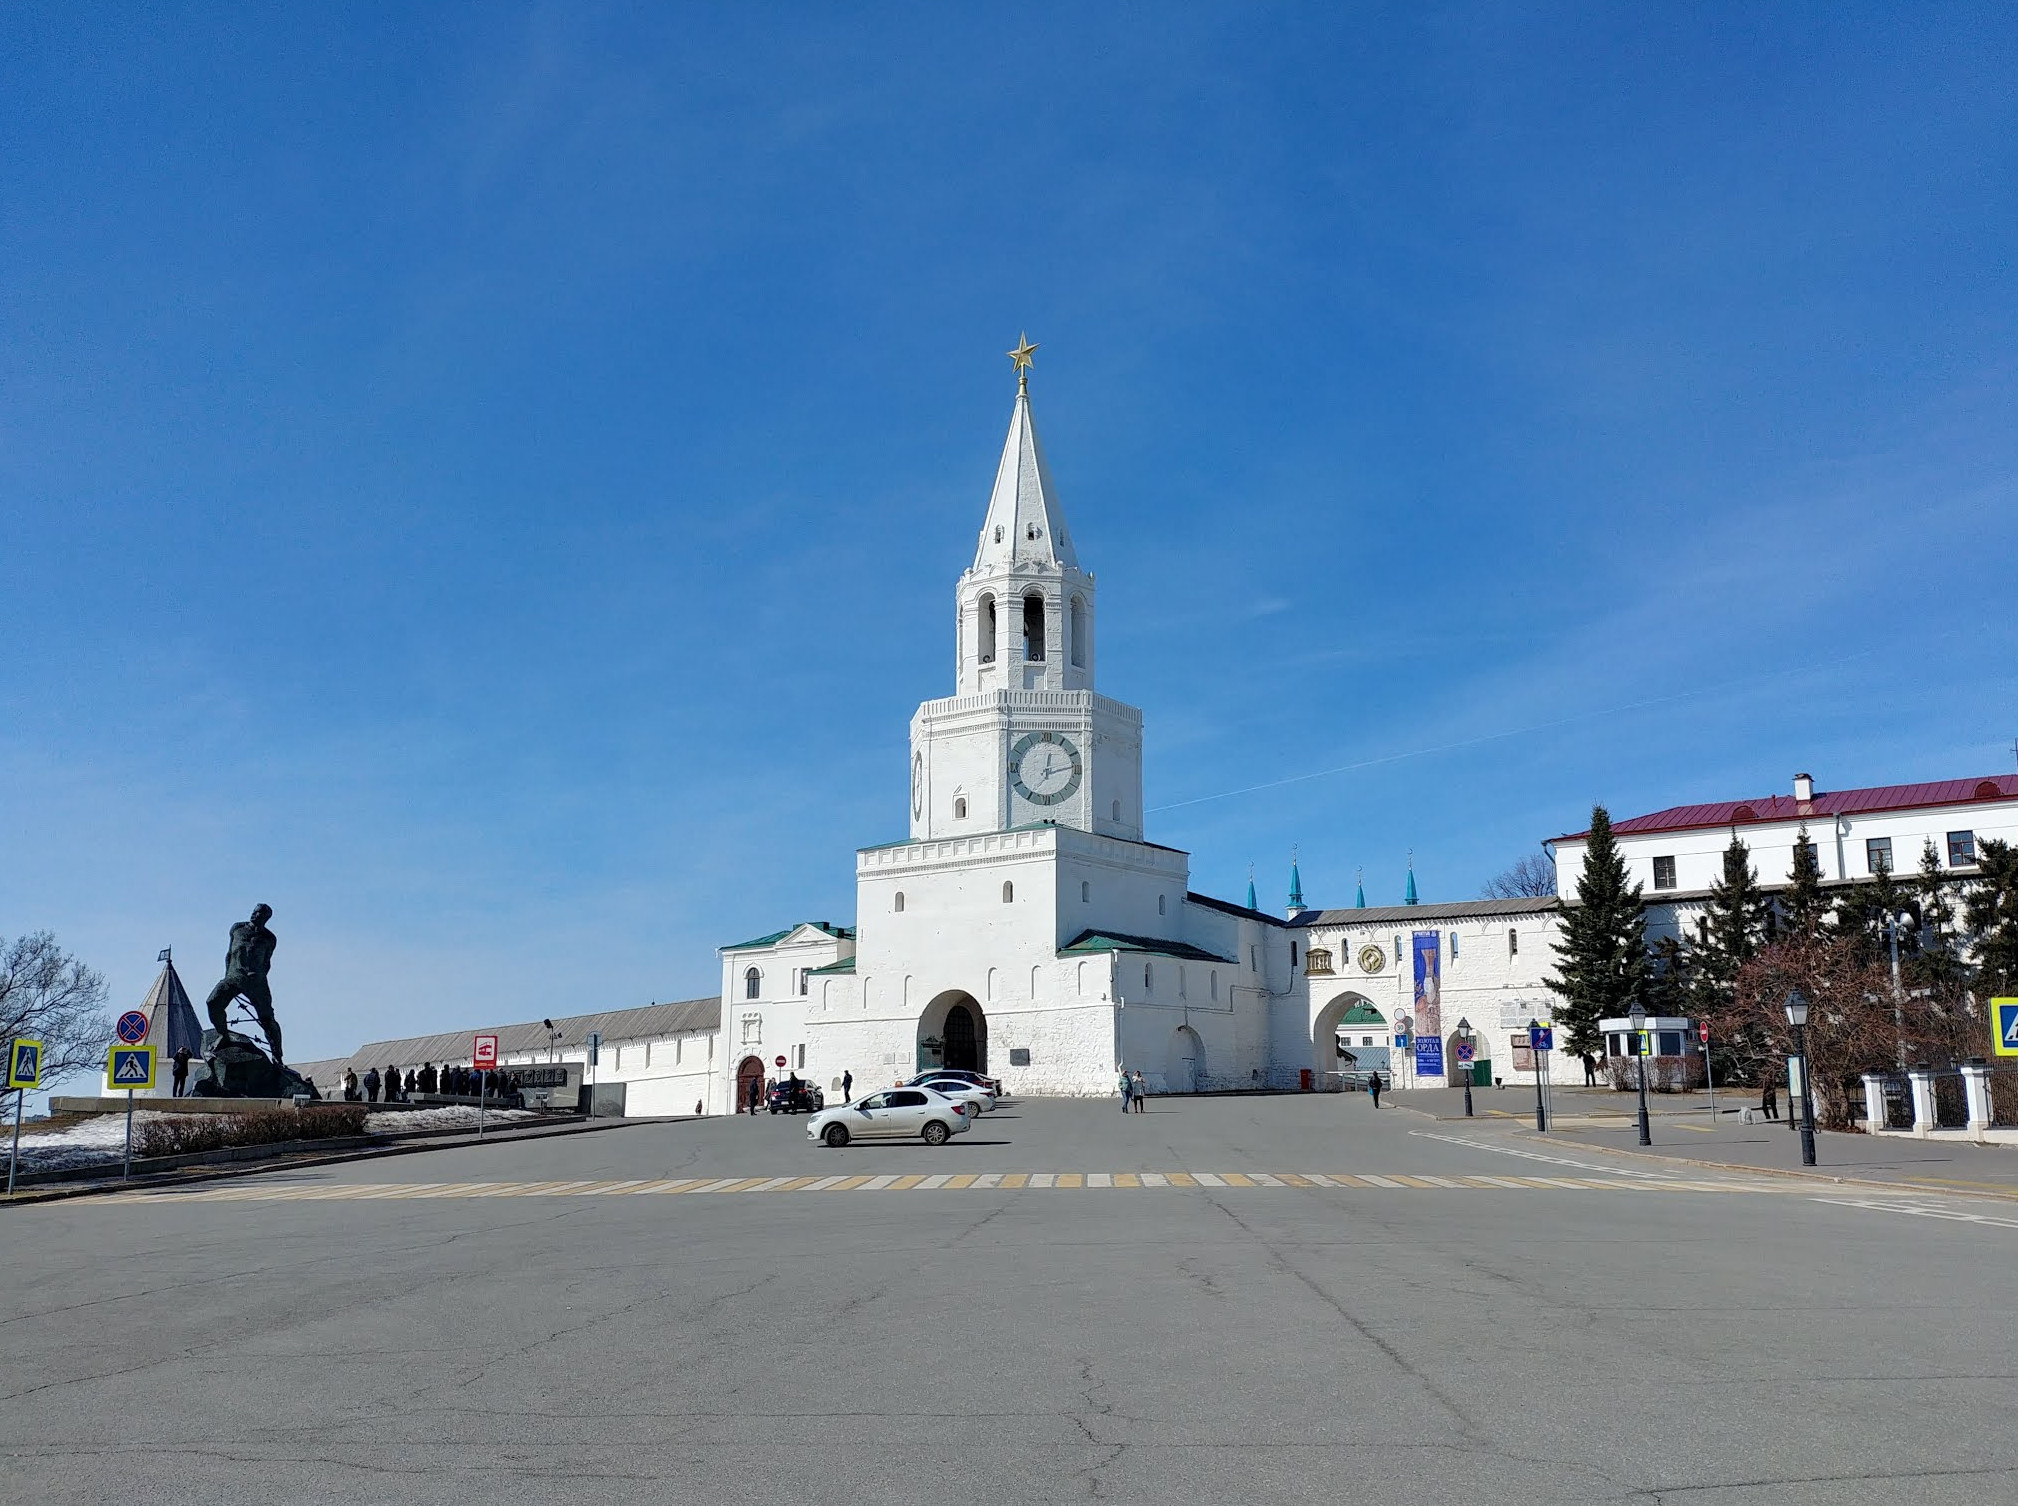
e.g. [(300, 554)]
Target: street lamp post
[(1638, 1016), (1468, 1038), (1898, 993), (1797, 1016)]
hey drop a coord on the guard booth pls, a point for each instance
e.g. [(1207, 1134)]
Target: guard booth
[(1675, 1061)]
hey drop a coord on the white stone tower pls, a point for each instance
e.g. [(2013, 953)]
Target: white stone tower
[(1025, 739)]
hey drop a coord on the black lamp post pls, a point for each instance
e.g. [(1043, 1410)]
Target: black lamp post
[(1465, 1035), (1638, 1016), (1797, 1016)]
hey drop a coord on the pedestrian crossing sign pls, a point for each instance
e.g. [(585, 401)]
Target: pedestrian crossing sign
[(24, 1064), (131, 1069), (2004, 1015)]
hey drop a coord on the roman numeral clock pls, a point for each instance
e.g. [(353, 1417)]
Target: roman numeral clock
[(1045, 767)]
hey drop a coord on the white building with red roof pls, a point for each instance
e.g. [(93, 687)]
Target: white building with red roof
[(1675, 855)]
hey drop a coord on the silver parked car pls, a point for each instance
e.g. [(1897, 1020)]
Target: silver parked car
[(893, 1114), (960, 1091)]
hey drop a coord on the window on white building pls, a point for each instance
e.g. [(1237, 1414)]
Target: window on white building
[(1148, 977), (1085, 892), (959, 807), (1292, 955), (1664, 873), (1180, 981), (1397, 949), (1159, 904), (1878, 855), (1008, 893), (1961, 849), (1117, 810), (986, 608), (805, 981), (800, 1057), (753, 983), (1254, 959), (1453, 946), (1033, 629), (898, 903), (1513, 942), (1215, 983), (1079, 632)]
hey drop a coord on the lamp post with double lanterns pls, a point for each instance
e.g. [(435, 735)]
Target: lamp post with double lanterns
[(1637, 1015), (1535, 1038), (1797, 1016), (1468, 1056)]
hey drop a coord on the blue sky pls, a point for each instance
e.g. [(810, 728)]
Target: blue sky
[(489, 480)]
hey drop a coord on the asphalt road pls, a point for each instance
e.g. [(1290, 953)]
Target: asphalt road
[(630, 1316)]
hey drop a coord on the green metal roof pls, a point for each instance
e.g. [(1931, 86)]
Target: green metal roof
[(845, 965), (1362, 1014), (1115, 941), (841, 933)]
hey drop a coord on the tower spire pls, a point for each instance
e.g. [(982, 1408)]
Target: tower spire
[(1025, 523), (1409, 898), (1296, 904), (1360, 902), (1251, 901)]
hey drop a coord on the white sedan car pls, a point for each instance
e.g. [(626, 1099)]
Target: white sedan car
[(960, 1091), (893, 1114)]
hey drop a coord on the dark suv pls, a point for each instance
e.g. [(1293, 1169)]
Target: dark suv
[(796, 1096)]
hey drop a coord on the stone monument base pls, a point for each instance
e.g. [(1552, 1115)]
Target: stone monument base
[(236, 1068)]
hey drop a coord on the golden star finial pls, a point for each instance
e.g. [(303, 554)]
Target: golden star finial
[(1021, 357)]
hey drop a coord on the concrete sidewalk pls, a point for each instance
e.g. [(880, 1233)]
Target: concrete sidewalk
[(1683, 1132)]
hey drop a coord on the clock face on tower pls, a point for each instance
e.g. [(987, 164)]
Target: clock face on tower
[(1044, 767)]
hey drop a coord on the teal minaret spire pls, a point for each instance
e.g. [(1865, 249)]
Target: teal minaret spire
[(1296, 904), (1361, 902), (1409, 898), (1252, 904)]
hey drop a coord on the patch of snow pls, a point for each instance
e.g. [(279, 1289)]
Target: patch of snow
[(90, 1142), (450, 1116)]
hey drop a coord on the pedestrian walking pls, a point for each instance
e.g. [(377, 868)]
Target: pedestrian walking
[(1141, 1092), (756, 1092), (847, 1087), (392, 1093), (1373, 1087), (1769, 1101), (1127, 1090), (350, 1085), (371, 1085), (181, 1070)]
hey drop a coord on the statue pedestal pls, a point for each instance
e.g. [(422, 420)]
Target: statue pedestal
[(239, 1069)]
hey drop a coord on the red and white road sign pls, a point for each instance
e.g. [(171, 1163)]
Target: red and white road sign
[(781, 1061), (486, 1053), (1704, 1032)]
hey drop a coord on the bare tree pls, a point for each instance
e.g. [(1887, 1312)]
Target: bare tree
[(49, 996), (1533, 877), (1850, 1028)]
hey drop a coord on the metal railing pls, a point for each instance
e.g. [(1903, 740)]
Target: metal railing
[(2004, 1098), (1951, 1102)]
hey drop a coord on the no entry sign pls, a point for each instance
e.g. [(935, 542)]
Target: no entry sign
[(485, 1055), (781, 1061)]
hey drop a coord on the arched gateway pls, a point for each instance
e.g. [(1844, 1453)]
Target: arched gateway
[(750, 1069), (1349, 1017), (953, 1032)]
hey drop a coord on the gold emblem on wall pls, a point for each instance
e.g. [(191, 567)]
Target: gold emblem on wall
[(1372, 958), (1317, 962)]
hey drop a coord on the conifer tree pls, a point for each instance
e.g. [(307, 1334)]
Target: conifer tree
[(1601, 957), (1670, 976), (1804, 903), (1737, 917), (1991, 914)]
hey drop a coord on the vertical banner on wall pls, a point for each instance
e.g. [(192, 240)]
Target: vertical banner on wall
[(1428, 949)]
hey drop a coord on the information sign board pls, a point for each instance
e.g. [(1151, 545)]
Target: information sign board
[(484, 1057)]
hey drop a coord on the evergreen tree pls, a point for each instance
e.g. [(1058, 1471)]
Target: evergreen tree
[(1804, 903), (1602, 954), (1738, 915), (1991, 914), (1862, 913), (1670, 978), (1938, 965)]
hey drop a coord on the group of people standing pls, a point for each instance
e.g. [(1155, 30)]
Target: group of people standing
[(1134, 1089), (450, 1082)]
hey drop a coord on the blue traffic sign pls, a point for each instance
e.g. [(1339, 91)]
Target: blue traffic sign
[(132, 1027), (24, 1064), (1541, 1038), (131, 1068), (2004, 1012)]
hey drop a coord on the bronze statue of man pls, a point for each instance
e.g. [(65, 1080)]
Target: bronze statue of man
[(245, 967)]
